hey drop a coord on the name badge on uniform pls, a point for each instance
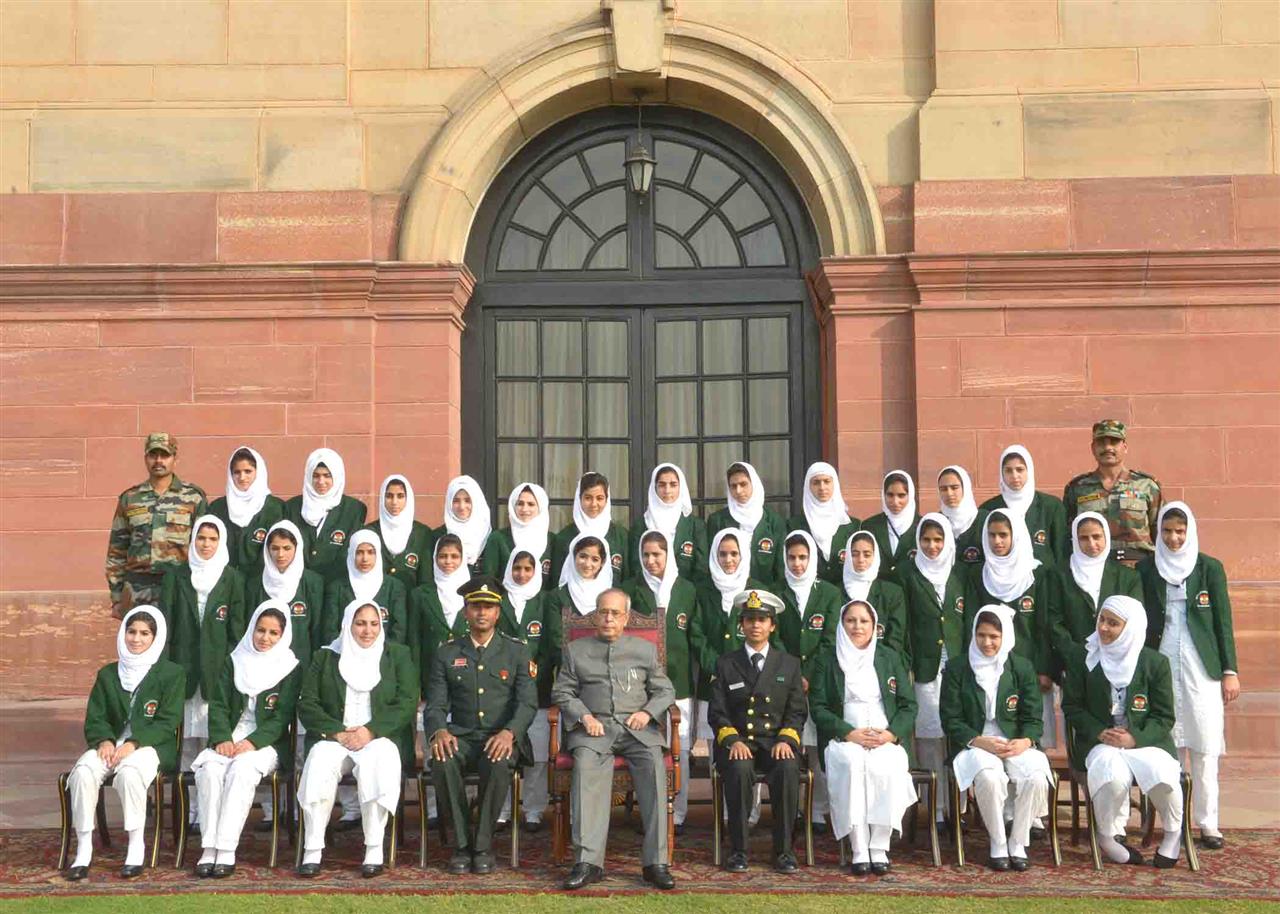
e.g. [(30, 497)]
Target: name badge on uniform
[(459, 662), (737, 685), (780, 679)]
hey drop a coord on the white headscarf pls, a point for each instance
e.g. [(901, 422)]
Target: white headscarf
[(1088, 571), (474, 531), (661, 516), (583, 591), (597, 526), (962, 515), (531, 536), (282, 585), (256, 671), (988, 670), (1119, 658), (133, 668), (316, 507), (1175, 567), (359, 666), (365, 584), (1008, 577), (395, 527), (801, 586), (520, 594), (937, 571), (858, 663), (730, 585), (900, 523), (824, 517), (1019, 500), (243, 506), (206, 572), (857, 584), (662, 586), (747, 516), (447, 585)]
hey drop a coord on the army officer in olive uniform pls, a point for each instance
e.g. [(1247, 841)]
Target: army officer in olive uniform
[(1128, 499), (481, 698), (757, 712)]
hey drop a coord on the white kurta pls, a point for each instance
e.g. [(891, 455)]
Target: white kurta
[(867, 787), (1200, 717), (928, 695)]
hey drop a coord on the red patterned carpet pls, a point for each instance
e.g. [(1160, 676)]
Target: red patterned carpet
[(1248, 869)]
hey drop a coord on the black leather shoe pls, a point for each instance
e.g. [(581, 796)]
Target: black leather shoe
[(583, 874), (347, 825), (533, 826), (129, 871), (1019, 864), (819, 828), (736, 862), (459, 863), (369, 870), (308, 870), (1211, 842), (76, 873), (223, 870), (500, 826), (659, 876), (1161, 862), (881, 867), (482, 863), (1135, 858), (785, 863), (204, 870), (860, 869), (679, 827), (262, 826), (1037, 833), (999, 864)]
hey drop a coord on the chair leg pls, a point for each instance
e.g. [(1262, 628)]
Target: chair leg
[(717, 801), (517, 788), (842, 844), (395, 832), (1054, 844), (957, 824), (422, 821), (275, 819), (182, 801), (1193, 856), (808, 818), (671, 828), (157, 829), (100, 816), (1075, 812), (64, 809), (1147, 819), (301, 838), (1093, 832)]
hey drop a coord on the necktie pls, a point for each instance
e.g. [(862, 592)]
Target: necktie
[(757, 661)]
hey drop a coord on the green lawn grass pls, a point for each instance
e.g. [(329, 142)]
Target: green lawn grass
[(630, 904)]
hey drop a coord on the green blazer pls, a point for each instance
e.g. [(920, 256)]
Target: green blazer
[(416, 555), (690, 545), (326, 549), (539, 627), (428, 628), (890, 601), (679, 617), (970, 549), (153, 711), (391, 600), (826, 699), (1077, 616), (1033, 612), (767, 560), (497, 552), (1208, 612), (200, 647), (932, 624), (810, 635), (830, 568), (305, 609), (1047, 523), (963, 705), (1086, 704), (619, 541), (273, 712), (394, 700), (245, 544), (892, 561), (712, 632)]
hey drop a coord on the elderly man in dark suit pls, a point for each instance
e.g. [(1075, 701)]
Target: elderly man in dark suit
[(613, 691)]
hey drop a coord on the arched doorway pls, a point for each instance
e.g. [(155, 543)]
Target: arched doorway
[(610, 331)]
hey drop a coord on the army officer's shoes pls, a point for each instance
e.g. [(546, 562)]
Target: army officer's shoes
[(460, 863), (785, 863), (659, 876), (482, 863), (736, 862), (583, 874)]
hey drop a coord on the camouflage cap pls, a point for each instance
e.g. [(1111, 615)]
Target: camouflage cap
[(161, 441), (758, 602), (1109, 428)]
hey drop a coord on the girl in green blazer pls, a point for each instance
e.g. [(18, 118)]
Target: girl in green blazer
[(1118, 699), (991, 710), (861, 579), (1045, 516), (406, 542), (466, 516), (529, 529), (895, 526), (130, 727), (1088, 578), (365, 580), (248, 510), (325, 515), (250, 715), (358, 701), (747, 512), (203, 603), (865, 713), (826, 519), (592, 516), (670, 510), (1185, 594), (957, 504), (286, 578), (435, 606)]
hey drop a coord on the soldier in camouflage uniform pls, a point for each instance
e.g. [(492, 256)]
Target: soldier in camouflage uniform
[(151, 528), (1128, 499)]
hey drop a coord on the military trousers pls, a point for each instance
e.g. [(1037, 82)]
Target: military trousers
[(783, 778), (451, 790)]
